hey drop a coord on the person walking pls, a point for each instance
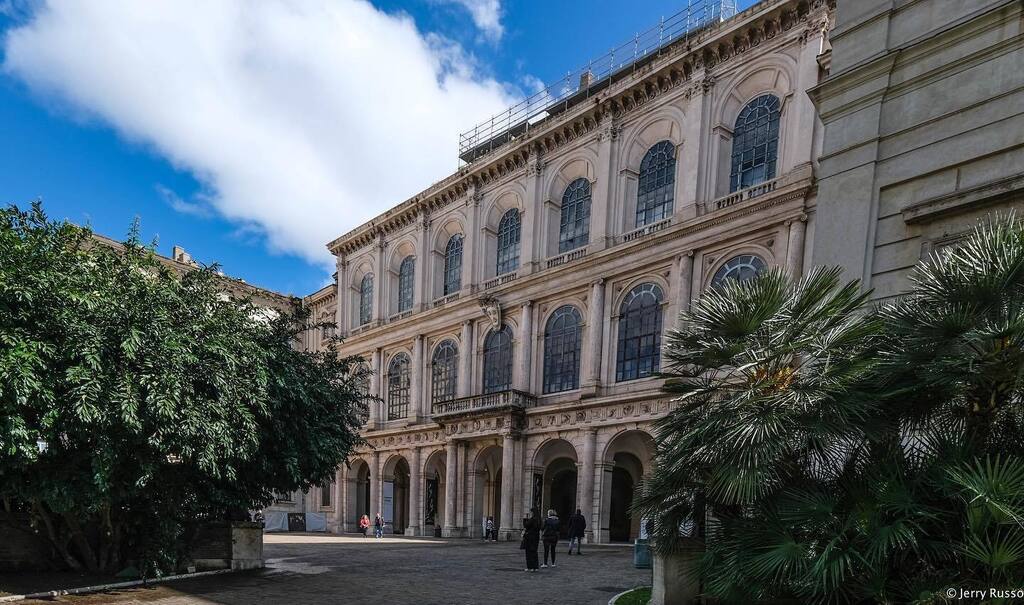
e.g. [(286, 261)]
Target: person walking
[(489, 531), (378, 526), (550, 535), (531, 539), (364, 526), (577, 529)]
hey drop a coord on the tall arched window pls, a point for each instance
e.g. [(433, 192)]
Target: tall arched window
[(406, 279), (498, 360), (739, 268), (453, 265), (755, 143), (562, 350), (639, 351), (444, 372), (361, 374), (398, 387), (574, 228), (656, 190), (366, 299), (508, 242)]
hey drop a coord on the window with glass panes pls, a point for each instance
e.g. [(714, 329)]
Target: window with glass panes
[(398, 387), (755, 143), (562, 350), (639, 343), (453, 265), (406, 279), (444, 372), (574, 228), (656, 188), (366, 299), (498, 360), (739, 268), (508, 242)]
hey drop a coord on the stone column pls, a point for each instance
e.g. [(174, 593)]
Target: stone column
[(795, 251), (341, 310), (376, 486), (595, 332), (507, 486), (380, 303), (464, 384), (418, 401), (586, 498), (340, 499), (451, 489), (421, 297), (522, 379), (473, 244), (415, 485), (685, 294), (598, 530), (531, 250), (603, 191), (375, 391), (461, 502)]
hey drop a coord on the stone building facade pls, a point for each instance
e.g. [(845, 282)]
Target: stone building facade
[(512, 313), (924, 115)]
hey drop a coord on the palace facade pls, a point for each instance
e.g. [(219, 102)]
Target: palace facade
[(513, 313)]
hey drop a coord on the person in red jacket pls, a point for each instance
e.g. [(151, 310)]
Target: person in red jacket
[(364, 526)]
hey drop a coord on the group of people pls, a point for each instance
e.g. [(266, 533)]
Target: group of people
[(378, 526), (547, 531)]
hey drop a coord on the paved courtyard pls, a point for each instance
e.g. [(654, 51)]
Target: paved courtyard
[(314, 569)]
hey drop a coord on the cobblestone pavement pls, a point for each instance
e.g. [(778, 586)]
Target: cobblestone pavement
[(315, 569)]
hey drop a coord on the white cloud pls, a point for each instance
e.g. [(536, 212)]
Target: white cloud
[(486, 15), (303, 117), (196, 208)]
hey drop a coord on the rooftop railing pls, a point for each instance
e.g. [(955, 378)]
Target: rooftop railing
[(593, 77)]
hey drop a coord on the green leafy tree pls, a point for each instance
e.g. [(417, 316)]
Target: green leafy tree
[(825, 452), (138, 402)]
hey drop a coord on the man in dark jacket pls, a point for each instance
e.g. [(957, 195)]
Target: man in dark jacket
[(550, 535), (577, 529)]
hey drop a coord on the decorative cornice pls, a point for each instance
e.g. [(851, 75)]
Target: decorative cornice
[(672, 67)]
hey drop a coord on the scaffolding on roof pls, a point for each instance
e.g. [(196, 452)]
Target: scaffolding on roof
[(621, 60)]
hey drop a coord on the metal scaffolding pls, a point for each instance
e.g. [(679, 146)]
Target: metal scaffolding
[(621, 60)]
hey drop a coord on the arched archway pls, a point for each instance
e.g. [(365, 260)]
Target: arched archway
[(626, 460), (433, 490), (555, 479), (395, 494), (358, 497), (487, 489)]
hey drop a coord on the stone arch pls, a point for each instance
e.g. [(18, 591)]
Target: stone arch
[(625, 462), (449, 226), (395, 476), (653, 278), (361, 267), (663, 125), (774, 74), (433, 489), (582, 164), (510, 196), (487, 474), (357, 495), (555, 478), (404, 248), (724, 255)]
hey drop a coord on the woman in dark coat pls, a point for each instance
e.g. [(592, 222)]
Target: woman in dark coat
[(531, 539)]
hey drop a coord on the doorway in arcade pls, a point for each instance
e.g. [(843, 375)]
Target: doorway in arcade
[(395, 496), (555, 486)]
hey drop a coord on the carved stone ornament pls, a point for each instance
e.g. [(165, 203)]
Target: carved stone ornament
[(492, 309)]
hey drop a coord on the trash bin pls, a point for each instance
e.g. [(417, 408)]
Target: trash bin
[(641, 554)]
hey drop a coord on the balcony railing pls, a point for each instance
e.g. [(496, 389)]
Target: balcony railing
[(502, 400), (646, 230), (746, 194), (500, 280), (567, 257), (444, 300)]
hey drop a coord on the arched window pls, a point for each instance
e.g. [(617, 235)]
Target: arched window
[(508, 242), (574, 229), (656, 190), (325, 494), (498, 360), (398, 387), (406, 278), (444, 372), (755, 143), (361, 374), (639, 354), (739, 268), (366, 299), (562, 350), (453, 265)]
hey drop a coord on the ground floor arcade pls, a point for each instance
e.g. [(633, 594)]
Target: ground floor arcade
[(449, 479)]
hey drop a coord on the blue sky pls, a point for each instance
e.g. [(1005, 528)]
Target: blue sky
[(252, 139)]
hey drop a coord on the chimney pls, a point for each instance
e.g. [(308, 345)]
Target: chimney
[(178, 253), (586, 79)]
